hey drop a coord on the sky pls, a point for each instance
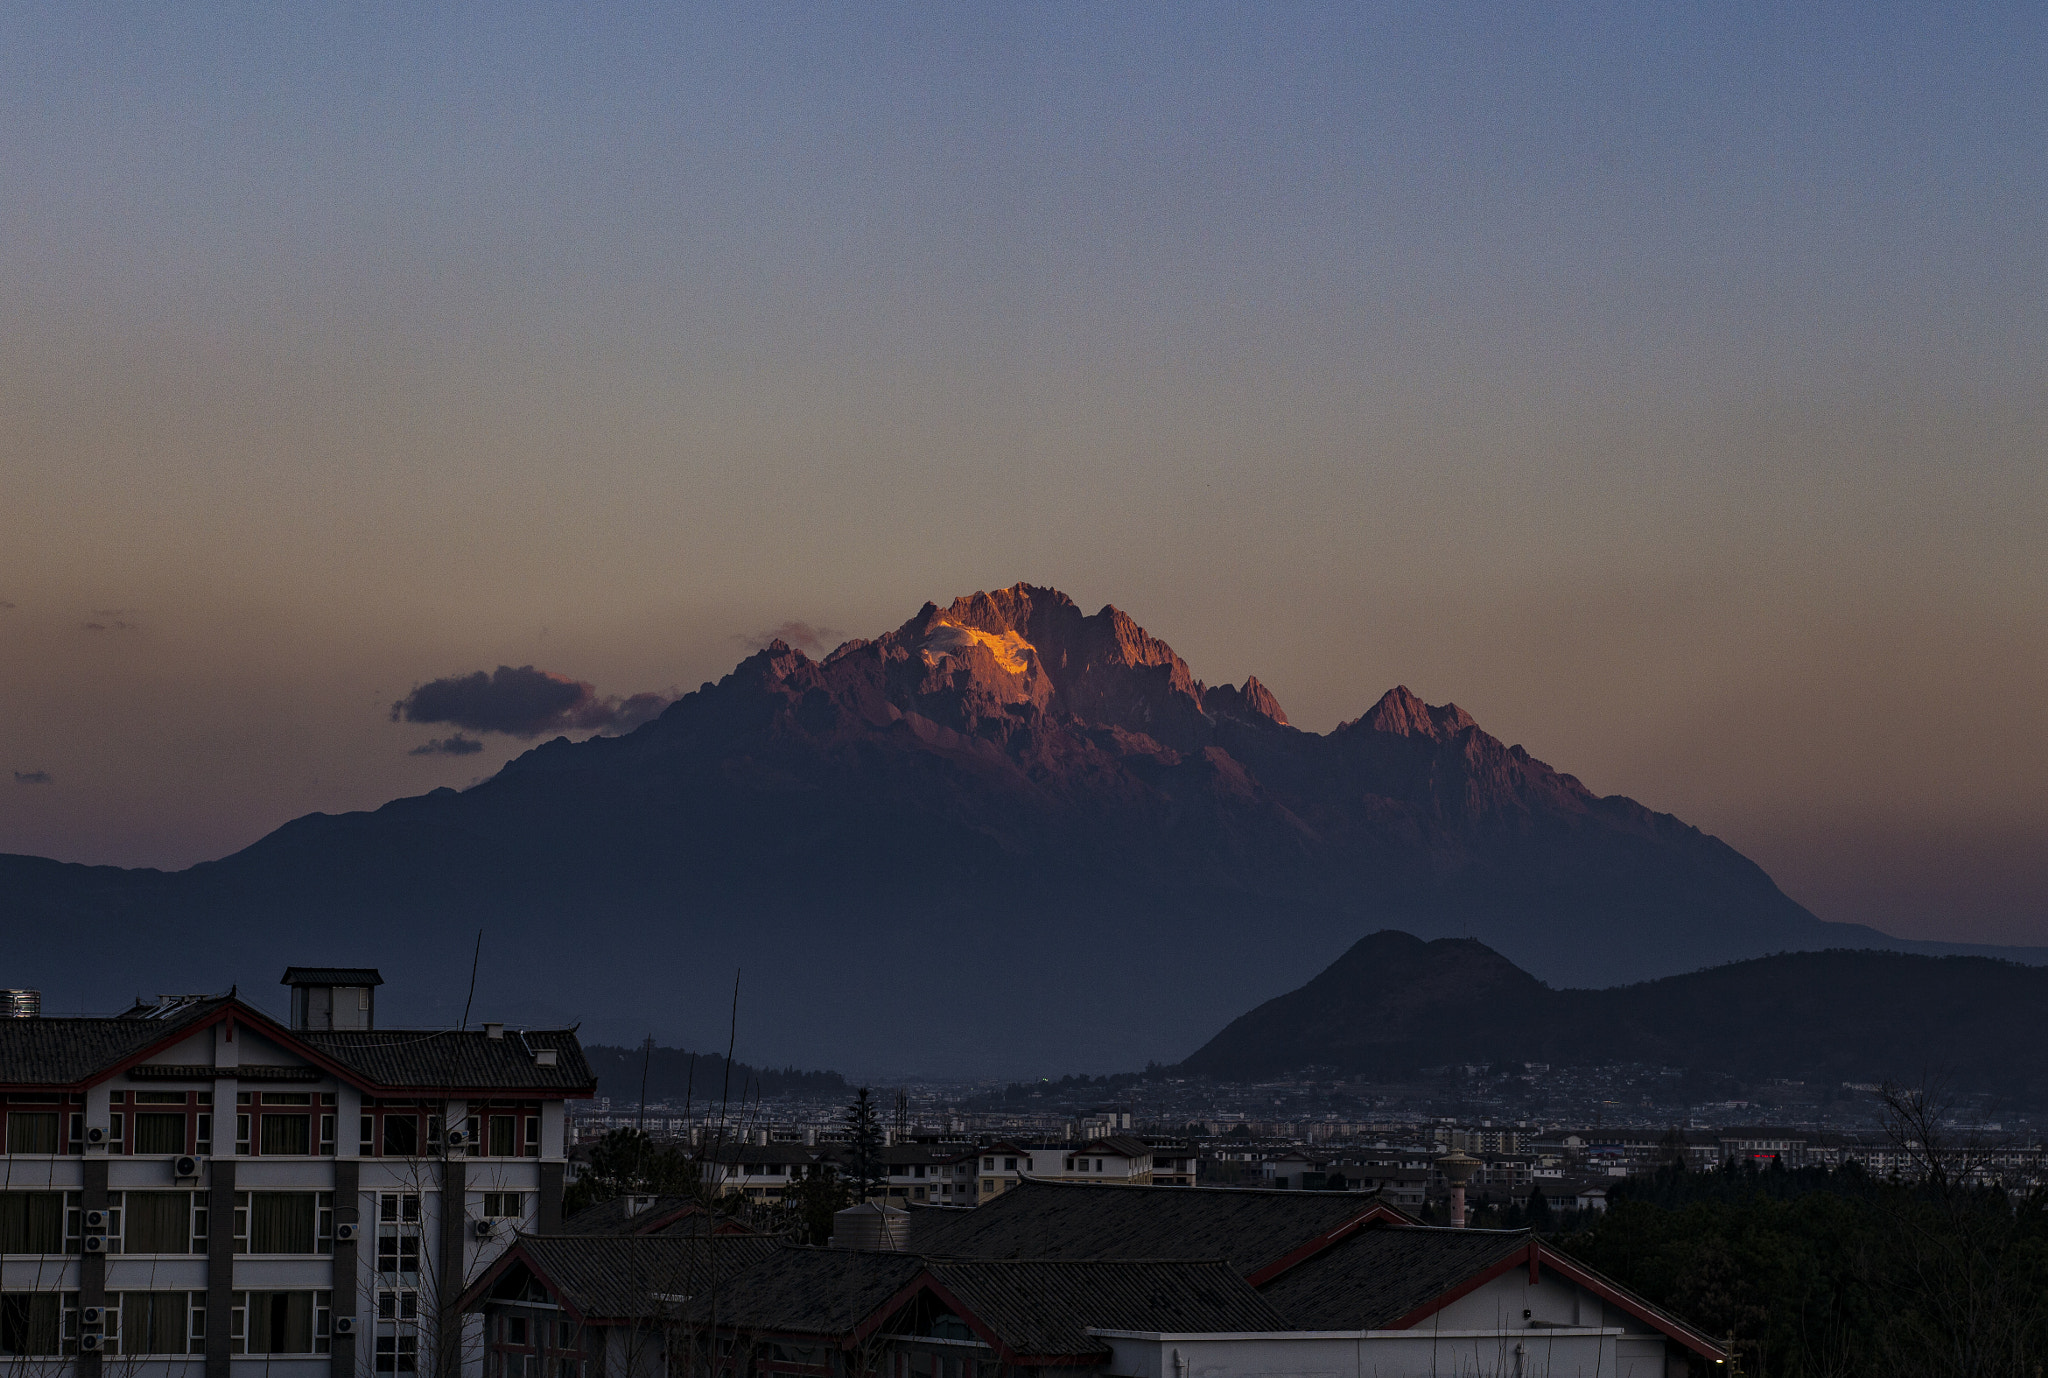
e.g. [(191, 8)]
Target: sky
[(1663, 384)]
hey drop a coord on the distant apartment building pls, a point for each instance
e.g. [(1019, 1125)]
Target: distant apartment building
[(194, 1189)]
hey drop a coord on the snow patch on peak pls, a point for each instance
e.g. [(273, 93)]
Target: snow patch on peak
[(1010, 650)]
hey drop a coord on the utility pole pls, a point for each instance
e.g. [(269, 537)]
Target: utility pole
[(646, 1059)]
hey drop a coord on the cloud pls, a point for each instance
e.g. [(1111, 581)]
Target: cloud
[(523, 702), (6, 606), (802, 635), (31, 777), (457, 745), (637, 709)]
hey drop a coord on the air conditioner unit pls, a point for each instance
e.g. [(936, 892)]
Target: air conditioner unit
[(97, 1134), (95, 1221), (184, 1165), (457, 1137), (91, 1342), (92, 1317), (344, 1325), (344, 1233), (95, 1243), (486, 1228)]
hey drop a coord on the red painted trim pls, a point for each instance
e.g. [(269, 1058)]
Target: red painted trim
[(1378, 1210), (473, 1296), (1609, 1291), (1471, 1284), (925, 1282), (1535, 1255), (234, 1009)]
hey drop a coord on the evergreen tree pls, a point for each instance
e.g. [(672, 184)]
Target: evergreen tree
[(1537, 1212), (864, 1124)]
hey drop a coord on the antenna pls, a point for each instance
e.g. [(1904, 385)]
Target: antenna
[(474, 958), (731, 1039)]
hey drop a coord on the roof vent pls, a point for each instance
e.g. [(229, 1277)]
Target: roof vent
[(20, 1004), (543, 1057), (494, 1031)]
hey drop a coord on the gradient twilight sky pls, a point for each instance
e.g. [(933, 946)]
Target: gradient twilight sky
[(1664, 384)]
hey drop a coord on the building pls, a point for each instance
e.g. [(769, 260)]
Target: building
[(193, 1187), (1062, 1280)]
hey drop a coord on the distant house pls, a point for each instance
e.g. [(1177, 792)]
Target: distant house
[(1117, 1158)]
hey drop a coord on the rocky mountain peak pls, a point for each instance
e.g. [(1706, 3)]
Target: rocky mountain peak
[(1401, 713), (1253, 700)]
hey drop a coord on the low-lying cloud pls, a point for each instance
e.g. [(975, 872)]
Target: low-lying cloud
[(32, 777), (522, 702), (802, 635), (457, 745)]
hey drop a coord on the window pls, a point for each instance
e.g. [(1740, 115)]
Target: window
[(398, 1304), (159, 1132), (502, 1205), (284, 1222), (282, 1322), (287, 1134), (502, 1142), (398, 1255), (533, 1136), (398, 1234), (401, 1136), (398, 1353), (161, 1322), (157, 1222), (1009, 1164), (327, 1135), (31, 1222), (242, 1133), (31, 1131), (31, 1323)]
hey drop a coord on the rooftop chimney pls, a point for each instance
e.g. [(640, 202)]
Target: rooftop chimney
[(333, 997)]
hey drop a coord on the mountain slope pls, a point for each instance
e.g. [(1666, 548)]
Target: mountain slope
[(1393, 1004), (1003, 837)]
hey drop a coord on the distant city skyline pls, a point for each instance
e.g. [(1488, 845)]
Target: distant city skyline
[(1663, 388)]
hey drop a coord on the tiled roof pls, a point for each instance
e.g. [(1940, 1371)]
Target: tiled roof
[(784, 1154), (1036, 1219), (330, 976), (1045, 1307), (612, 1217), (456, 1058), (65, 1052), (810, 1291), (1123, 1144), (632, 1277), (1381, 1273)]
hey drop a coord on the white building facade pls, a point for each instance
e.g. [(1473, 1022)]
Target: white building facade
[(192, 1190)]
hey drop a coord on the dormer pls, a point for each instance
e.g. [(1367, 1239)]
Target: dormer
[(333, 997)]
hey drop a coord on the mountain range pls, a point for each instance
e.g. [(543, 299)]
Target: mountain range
[(1394, 1005), (1007, 836)]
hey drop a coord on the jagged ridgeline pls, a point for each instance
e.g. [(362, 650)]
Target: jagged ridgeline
[(1004, 836)]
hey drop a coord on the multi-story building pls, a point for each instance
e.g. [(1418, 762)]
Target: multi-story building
[(194, 1189)]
